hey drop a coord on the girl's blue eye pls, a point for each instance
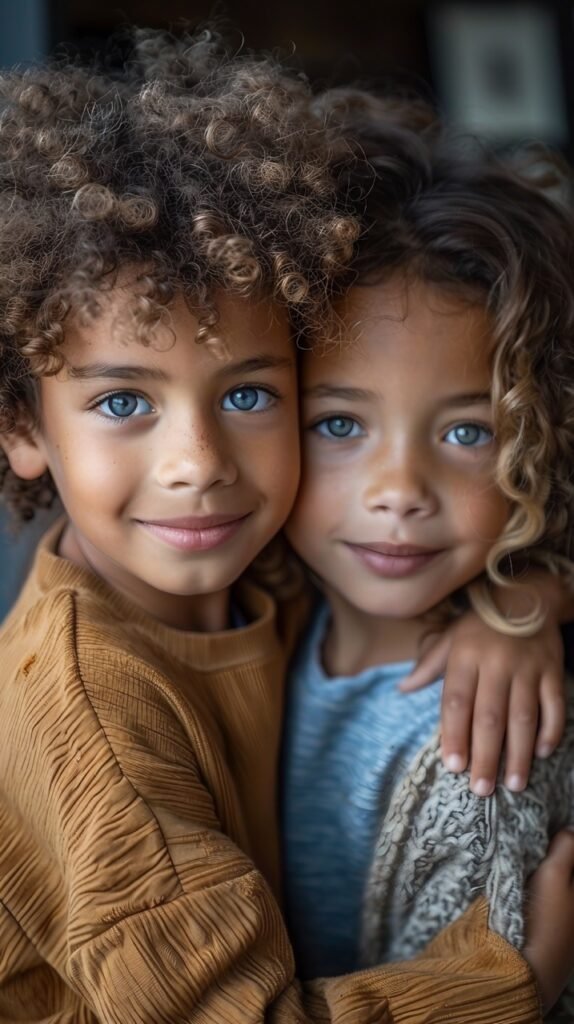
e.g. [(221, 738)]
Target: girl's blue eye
[(469, 435), (247, 400), (338, 427), (124, 404)]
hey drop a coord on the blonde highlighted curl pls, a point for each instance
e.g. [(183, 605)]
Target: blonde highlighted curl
[(205, 171), (448, 211)]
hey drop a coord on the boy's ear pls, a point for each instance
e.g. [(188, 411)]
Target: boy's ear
[(24, 450)]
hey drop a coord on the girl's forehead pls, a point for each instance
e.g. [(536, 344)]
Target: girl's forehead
[(415, 324), (404, 297)]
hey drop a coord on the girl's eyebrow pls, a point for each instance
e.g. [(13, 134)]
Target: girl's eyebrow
[(98, 371), (336, 391), (468, 398), (363, 394)]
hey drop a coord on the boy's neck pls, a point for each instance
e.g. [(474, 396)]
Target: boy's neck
[(205, 613), (356, 641)]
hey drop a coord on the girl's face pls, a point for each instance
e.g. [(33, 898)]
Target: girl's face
[(175, 465), (398, 506)]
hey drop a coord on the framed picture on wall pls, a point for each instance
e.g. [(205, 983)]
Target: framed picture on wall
[(497, 70)]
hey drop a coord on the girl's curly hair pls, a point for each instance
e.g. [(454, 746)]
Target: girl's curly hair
[(205, 171), (448, 211)]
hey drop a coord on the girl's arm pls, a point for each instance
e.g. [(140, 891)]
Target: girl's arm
[(500, 691), (550, 919)]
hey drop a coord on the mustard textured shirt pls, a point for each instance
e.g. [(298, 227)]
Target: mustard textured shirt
[(139, 869)]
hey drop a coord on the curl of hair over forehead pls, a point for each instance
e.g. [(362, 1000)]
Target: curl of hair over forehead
[(205, 172), (449, 212)]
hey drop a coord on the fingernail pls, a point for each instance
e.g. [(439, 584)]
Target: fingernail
[(482, 787), (544, 750), (454, 763), (515, 782)]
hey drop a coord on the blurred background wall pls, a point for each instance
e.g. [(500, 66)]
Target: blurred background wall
[(504, 70), (499, 68)]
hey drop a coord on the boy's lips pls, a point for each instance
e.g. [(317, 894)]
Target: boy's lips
[(195, 533), (393, 561), (194, 522)]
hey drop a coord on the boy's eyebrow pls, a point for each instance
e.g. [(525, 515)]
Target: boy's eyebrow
[(255, 363), (99, 371)]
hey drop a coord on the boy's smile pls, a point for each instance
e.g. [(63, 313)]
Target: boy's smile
[(175, 465), (398, 507)]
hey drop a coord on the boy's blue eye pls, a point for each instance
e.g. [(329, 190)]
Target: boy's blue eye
[(247, 400), (338, 427), (469, 435), (124, 404)]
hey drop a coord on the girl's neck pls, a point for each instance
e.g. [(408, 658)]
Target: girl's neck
[(356, 640)]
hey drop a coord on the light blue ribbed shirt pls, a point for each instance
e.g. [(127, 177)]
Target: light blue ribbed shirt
[(348, 741)]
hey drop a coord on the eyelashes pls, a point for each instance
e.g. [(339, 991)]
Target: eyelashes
[(469, 435), (123, 406), (338, 428), (250, 398), (465, 434)]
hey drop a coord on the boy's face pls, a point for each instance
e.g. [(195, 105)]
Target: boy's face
[(175, 465), (397, 507)]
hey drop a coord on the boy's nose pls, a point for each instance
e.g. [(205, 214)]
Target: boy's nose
[(197, 458)]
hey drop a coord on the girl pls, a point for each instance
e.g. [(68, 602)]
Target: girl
[(438, 452)]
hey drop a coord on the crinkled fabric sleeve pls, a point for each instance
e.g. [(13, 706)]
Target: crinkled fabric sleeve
[(220, 956), (120, 879), (190, 931)]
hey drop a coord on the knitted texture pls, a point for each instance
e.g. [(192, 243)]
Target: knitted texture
[(440, 847)]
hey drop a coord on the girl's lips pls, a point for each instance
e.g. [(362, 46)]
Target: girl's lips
[(393, 562), (194, 538)]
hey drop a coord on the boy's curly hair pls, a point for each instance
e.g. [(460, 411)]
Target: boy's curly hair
[(450, 212), (205, 171)]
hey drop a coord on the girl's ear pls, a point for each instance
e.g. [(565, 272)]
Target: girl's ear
[(25, 452)]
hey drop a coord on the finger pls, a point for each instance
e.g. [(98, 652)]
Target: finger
[(488, 728), (521, 728), (430, 666), (552, 713), (457, 707)]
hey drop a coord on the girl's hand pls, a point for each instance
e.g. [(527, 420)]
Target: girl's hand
[(496, 686), (549, 945)]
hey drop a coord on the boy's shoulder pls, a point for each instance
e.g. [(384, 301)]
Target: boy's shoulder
[(64, 620), (69, 654), (84, 706)]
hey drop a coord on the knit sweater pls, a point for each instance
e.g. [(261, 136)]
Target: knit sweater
[(440, 846), (138, 839)]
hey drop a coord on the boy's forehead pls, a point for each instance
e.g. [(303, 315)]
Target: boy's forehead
[(244, 326)]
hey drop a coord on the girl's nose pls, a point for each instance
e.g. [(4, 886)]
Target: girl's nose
[(401, 486)]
